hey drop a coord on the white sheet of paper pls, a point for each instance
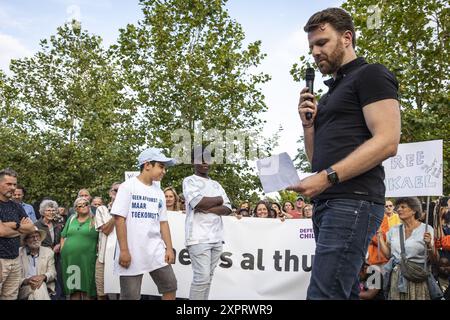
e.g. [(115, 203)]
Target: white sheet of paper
[(277, 172)]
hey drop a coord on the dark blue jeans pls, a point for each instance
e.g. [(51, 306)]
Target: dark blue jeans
[(342, 229)]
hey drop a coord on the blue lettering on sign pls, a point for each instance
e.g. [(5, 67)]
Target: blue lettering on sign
[(144, 215), (143, 198), (138, 205)]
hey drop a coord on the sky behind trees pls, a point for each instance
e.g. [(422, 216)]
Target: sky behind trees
[(278, 24)]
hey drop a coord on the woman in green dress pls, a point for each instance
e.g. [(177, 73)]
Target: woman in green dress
[(79, 252)]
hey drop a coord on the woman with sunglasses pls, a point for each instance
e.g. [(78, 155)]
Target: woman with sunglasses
[(79, 252)]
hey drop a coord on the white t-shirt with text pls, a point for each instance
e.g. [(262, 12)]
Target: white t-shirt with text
[(144, 207)]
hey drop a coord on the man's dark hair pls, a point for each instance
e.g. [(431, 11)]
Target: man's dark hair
[(244, 212), (412, 202), (338, 18), (278, 205), (7, 172), (142, 165), (21, 187), (443, 202)]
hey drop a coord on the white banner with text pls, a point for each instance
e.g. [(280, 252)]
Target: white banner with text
[(262, 259)]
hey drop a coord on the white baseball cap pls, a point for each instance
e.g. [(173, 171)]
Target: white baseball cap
[(154, 154)]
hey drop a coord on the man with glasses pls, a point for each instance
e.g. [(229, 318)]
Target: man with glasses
[(390, 219), (38, 268), (112, 193)]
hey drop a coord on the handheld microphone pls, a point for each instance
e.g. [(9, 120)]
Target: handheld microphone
[(310, 73)]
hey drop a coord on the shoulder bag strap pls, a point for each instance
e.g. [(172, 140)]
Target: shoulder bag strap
[(402, 241)]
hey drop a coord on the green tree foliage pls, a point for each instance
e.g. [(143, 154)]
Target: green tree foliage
[(301, 161), (412, 39), (185, 63), (72, 125), (287, 196), (76, 115)]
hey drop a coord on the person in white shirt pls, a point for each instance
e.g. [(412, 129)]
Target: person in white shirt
[(206, 202), (142, 229), (104, 224)]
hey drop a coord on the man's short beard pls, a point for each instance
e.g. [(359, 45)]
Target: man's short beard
[(334, 60), (34, 246), (8, 195)]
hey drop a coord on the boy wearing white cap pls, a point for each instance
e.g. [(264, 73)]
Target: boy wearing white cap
[(142, 229)]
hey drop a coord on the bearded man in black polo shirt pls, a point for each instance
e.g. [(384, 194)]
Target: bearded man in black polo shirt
[(354, 127), (13, 222)]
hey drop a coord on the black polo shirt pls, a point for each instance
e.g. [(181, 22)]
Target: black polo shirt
[(340, 127), (10, 211)]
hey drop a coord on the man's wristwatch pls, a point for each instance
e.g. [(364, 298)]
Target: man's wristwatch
[(332, 176)]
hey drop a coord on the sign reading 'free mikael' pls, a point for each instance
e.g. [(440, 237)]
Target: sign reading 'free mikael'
[(416, 170)]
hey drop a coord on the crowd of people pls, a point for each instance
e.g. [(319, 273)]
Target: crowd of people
[(52, 253), (410, 256), (64, 242)]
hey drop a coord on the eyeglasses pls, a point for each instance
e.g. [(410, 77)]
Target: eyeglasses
[(115, 190), (388, 206), (82, 205)]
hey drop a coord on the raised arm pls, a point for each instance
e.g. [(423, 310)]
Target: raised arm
[(383, 120), (306, 104), (384, 245)]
